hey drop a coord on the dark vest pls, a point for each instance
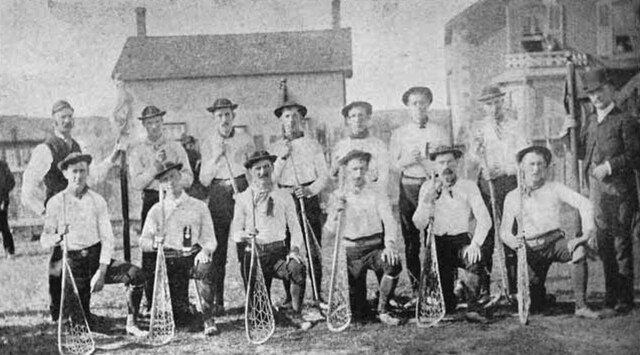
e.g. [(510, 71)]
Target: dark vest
[(54, 181)]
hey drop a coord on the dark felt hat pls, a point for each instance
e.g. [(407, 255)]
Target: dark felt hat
[(490, 92), (60, 105), (367, 107), (185, 138), (355, 154), (220, 104), (445, 149), (257, 156), (594, 79), (289, 104), (546, 153), (417, 90), (167, 167), (150, 112), (72, 158)]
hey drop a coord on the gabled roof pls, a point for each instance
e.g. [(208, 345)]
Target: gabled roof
[(198, 56), (479, 20)]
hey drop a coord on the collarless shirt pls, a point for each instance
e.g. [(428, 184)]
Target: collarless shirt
[(86, 215), (378, 173), (501, 143), (454, 209), (542, 209), (180, 213), (310, 164), (238, 147), (271, 228), (411, 137), (143, 157)]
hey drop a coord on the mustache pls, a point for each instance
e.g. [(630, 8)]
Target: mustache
[(447, 171)]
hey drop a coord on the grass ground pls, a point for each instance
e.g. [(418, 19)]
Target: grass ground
[(26, 329)]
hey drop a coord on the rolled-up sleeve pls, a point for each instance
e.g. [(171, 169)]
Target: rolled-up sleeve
[(33, 194), (105, 232)]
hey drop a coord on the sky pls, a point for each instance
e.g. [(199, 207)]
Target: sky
[(52, 49)]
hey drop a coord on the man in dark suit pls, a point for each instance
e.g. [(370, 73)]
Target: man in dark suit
[(610, 150), (7, 183)]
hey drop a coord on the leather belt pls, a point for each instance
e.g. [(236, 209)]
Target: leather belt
[(368, 241), (545, 238)]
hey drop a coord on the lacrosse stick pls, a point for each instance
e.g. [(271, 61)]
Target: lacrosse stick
[(74, 334), (310, 241), (161, 325), (498, 246), (524, 300), (231, 177), (339, 312), (259, 321)]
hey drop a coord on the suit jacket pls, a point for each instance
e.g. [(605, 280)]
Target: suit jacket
[(615, 140), (7, 182)]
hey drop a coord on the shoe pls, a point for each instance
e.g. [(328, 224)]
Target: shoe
[(586, 312), (411, 304), (133, 329), (388, 319), (623, 308), (298, 321), (210, 327), (475, 317), (608, 312)]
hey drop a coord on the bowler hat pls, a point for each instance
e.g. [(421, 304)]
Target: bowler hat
[(417, 90), (355, 154), (367, 107), (72, 158), (150, 112), (490, 92), (594, 79), (166, 167), (546, 153), (257, 156), (289, 104), (60, 105), (220, 104), (445, 149)]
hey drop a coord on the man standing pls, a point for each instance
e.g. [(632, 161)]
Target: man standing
[(188, 241), (451, 202), (79, 217), (195, 160), (7, 183), (357, 116), (265, 213), (43, 168), (408, 148), (499, 135), (610, 150), (222, 171), (369, 236), (539, 202), (302, 169)]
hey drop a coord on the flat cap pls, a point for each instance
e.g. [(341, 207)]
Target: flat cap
[(61, 105), (355, 154), (445, 149), (72, 158), (365, 105), (546, 153), (417, 90)]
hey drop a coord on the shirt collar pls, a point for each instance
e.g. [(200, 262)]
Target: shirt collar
[(180, 199), (602, 114), (159, 141), (79, 195)]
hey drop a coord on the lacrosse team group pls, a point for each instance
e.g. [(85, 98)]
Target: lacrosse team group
[(268, 203)]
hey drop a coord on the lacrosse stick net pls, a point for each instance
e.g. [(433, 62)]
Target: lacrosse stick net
[(260, 323), (430, 308), (74, 334)]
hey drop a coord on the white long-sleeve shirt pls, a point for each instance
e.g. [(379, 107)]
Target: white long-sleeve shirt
[(238, 146), (542, 210), (270, 228), (378, 173), (87, 217), (181, 212), (411, 137), (143, 157), (453, 210), (501, 143), (310, 164)]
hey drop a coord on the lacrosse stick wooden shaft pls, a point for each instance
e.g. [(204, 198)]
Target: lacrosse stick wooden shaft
[(124, 199), (231, 177)]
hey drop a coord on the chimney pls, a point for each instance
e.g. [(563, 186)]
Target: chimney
[(141, 21), (335, 14)]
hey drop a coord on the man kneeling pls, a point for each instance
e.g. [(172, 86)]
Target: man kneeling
[(544, 239), (188, 242), (81, 217), (265, 212), (369, 236)]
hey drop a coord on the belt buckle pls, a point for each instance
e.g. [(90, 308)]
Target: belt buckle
[(84, 253)]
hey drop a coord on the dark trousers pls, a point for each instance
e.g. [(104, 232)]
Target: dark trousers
[(408, 202), (540, 258), (149, 198), (503, 184), (179, 270), (221, 204), (614, 211), (450, 250), (360, 259), (7, 237), (84, 264)]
